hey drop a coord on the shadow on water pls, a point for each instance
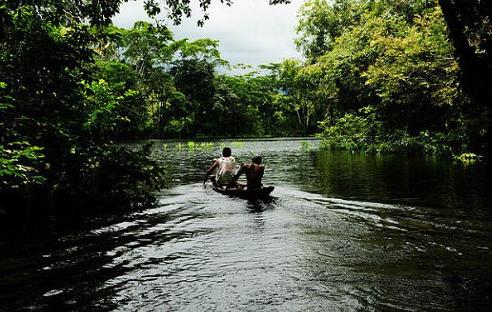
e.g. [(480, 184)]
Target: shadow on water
[(341, 232), (261, 204)]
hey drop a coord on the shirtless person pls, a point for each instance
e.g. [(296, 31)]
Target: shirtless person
[(254, 173)]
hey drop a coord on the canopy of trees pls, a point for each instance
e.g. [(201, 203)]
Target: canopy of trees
[(178, 89), (379, 75), (388, 78)]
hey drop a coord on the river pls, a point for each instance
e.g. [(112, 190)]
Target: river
[(342, 232)]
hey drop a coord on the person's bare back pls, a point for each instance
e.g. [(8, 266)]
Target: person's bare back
[(254, 173)]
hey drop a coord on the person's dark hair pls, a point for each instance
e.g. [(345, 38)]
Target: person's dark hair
[(226, 152), (256, 159)]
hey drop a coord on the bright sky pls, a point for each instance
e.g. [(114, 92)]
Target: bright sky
[(250, 31)]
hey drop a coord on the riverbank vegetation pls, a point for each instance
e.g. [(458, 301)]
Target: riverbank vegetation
[(387, 76), (378, 76)]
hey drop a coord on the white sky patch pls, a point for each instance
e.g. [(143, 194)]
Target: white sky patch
[(250, 31)]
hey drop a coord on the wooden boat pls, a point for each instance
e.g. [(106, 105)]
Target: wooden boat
[(263, 192)]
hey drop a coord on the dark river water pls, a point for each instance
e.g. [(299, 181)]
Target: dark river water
[(343, 232)]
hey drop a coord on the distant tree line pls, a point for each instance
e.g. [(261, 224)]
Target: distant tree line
[(167, 88)]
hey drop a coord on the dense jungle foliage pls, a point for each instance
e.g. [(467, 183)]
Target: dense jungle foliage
[(387, 76), (379, 76), (172, 88), (73, 86)]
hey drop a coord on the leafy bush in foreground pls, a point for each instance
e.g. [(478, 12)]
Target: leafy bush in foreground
[(56, 129)]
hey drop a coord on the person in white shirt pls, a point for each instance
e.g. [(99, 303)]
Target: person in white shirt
[(225, 167)]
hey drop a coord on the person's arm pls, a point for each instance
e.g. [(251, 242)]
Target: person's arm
[(238, 174), (209, 171)]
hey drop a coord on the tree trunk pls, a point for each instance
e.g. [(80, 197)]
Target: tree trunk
[(462, 18)]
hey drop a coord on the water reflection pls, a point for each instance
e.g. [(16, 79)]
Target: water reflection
[(342, 232), (398, 179)]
